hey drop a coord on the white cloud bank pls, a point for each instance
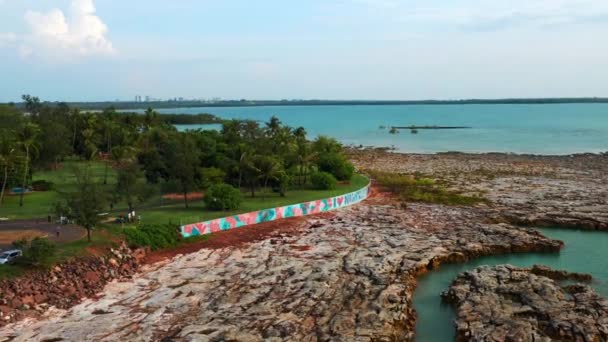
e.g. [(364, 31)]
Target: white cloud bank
[(78, 33), (492, 14)]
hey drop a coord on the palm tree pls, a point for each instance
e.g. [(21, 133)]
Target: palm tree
[(27, 137), (269, 168), (273, 126), (108, 126), (6, 161), (304, 153), (76, 122)]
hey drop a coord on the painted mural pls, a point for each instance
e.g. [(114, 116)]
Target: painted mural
[(267, 215)]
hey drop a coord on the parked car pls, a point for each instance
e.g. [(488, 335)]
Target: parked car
[(10, 256)]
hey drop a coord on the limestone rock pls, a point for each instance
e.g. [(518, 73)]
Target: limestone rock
[(506, 303)]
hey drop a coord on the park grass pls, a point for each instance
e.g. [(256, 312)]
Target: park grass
[(39, 204), (176, 212)]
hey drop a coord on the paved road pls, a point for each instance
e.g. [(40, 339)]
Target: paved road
[(68, 232)]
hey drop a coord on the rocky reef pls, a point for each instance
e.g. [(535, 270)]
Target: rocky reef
[(506, 303), (348, 276), (568, 191)]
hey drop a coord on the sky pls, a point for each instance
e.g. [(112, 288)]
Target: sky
[(88, 50)]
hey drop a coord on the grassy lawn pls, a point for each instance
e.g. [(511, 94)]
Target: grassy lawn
[(176, 212), (38, 204)]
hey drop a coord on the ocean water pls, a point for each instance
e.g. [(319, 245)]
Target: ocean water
[(538, 129), (584, 251)]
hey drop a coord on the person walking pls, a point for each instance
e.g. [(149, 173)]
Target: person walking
[(58, 231)]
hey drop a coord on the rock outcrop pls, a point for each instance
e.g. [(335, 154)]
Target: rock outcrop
[(64, 285), (506, 303), (349, 277), (568, 191)]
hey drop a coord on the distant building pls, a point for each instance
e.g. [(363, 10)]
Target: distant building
[(147, 98)]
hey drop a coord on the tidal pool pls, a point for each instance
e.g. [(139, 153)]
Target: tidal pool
[(584, 251)]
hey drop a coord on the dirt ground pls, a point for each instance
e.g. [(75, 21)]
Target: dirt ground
[(192, 196), (15, 229)]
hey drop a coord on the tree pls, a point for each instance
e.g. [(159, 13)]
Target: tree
[(36, 252), (11, 121), (251, 173), (211, 176), (184, 164), (7, 155), (336, 164), (27, 138), (269, 168), (86, 201), (130, 185), (325, 144), (32, 105), (304, 154), (273, 126), (76, 121), (108, 126), (90, 138)]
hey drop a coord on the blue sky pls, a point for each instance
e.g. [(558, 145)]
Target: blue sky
[(329, 49)]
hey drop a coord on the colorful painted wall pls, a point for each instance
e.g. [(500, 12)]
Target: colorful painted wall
[(267, 215)]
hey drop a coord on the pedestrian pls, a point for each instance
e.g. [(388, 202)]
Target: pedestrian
[(58, 231), (129, 216)]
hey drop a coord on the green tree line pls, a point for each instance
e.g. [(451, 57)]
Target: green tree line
[(148, 154)]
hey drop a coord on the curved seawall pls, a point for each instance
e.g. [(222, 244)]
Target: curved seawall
[(267, 215)]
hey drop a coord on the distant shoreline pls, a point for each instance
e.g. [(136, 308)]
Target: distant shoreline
[(127, 105)]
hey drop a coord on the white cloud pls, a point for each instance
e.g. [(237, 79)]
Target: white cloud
[(80, 32), (492, 14)]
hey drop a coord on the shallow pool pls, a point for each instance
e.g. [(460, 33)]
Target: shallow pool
[(584, 251)]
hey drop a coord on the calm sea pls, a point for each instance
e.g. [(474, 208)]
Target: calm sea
[(538, 129)]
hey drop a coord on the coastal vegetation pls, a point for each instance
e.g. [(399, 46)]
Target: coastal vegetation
[(111, 172), (413, 188), (253, 103)]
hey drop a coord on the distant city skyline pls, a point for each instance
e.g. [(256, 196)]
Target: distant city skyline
[(96, 50)]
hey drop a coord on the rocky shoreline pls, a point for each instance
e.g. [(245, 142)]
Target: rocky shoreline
[(349, 275), (346, 277), (503, 303), (65, 285), (566, 191)]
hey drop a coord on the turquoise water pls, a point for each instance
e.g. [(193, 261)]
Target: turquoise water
[(538, 129), (585, 251)]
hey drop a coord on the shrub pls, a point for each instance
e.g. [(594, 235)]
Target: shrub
[(155, 236), (223, 197), (324, 181), (337, 165), (421, 189), (36, 252), (42, 185)]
